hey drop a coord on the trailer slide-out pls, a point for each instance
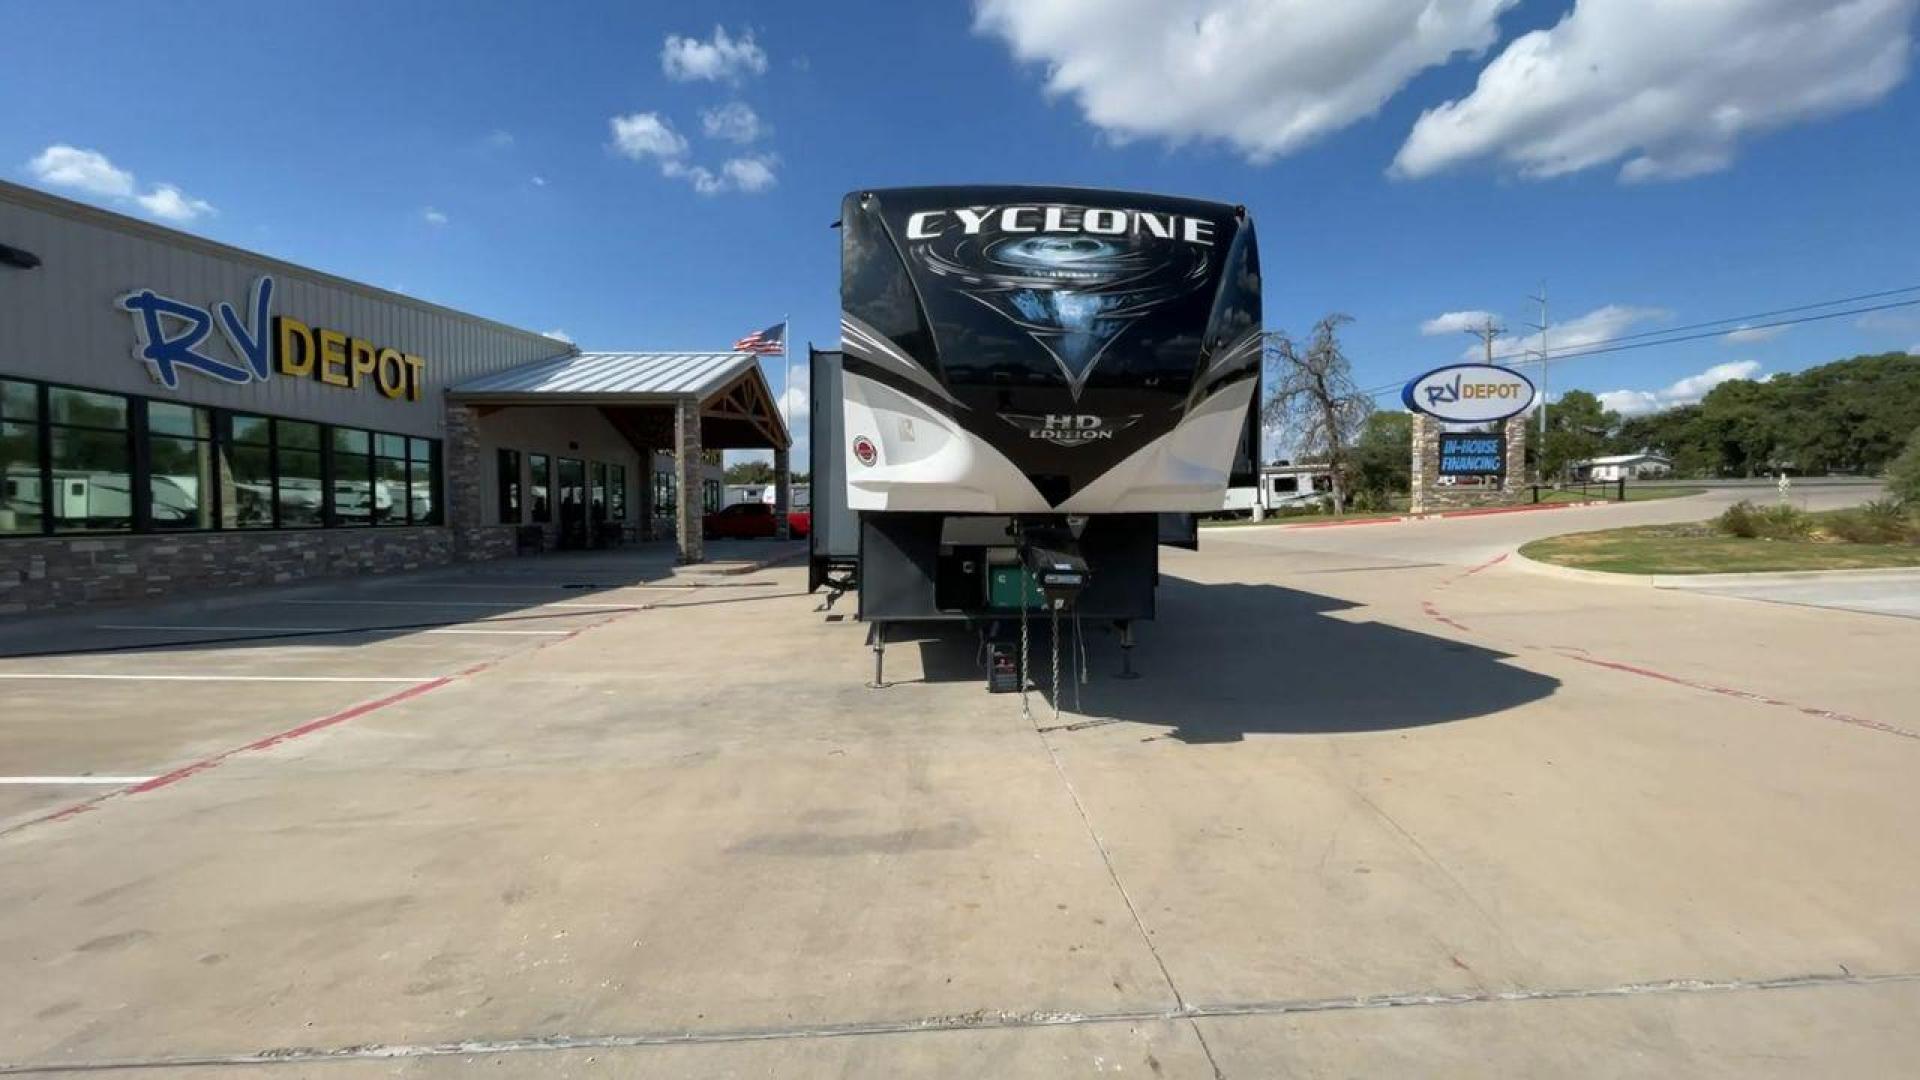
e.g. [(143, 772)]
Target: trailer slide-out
[(1035, 388)]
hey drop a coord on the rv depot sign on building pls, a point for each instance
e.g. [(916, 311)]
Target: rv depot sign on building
[(170, 337), (1468, 468)]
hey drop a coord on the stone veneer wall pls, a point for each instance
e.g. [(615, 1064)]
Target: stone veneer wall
[(1429, 494), (66, 572), (42, 573)]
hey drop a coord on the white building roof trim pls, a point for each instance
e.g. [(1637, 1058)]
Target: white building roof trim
[(660, 375)]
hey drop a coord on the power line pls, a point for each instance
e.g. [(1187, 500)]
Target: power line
[(1650, 338), (1745, 319), (1607, 347)]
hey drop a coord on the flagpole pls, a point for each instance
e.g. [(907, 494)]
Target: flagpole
[(786, 378)]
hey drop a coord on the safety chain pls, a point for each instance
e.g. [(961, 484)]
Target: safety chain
[(1056, 688), (1026, 712)]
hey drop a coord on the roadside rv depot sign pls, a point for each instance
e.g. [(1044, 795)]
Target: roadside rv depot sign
[(172, 336), (1469, 394)]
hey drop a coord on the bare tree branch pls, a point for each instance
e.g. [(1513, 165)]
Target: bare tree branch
[(1314, 397)]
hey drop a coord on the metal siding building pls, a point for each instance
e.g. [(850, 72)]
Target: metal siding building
[(247, 467), (62, 323)]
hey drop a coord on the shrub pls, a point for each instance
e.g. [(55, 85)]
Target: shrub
[(1739, 520), (1903, 474), (1784, 522), (1879, 522), (1770, 523)]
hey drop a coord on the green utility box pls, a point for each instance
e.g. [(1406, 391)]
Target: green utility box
[(1004, 584)]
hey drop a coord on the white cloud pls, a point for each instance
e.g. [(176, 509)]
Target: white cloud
[(1595, 327), (723, 58), (735, 121), (559, 335), (647, 135), (498, 139), (85, 170), (1683, 392), (750, 174), (1671, 87), (1455, 322), (1913, 350), (539, 181), (169, 203), (91, 172), (433, 217), (1749, 335), (1263, 76), (1888, 322)]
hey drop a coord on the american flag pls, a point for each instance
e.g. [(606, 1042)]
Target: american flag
[(769, 342)]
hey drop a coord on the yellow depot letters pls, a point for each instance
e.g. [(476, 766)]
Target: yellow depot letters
[(334, 358)]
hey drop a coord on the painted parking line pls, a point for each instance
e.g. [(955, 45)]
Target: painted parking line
[(69, 781), (176, 628), (86, 676)]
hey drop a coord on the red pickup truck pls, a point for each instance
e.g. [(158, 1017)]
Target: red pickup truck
[(747, 521)]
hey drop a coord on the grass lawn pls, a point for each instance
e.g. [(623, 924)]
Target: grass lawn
[(1634, 494), (1699, 549)]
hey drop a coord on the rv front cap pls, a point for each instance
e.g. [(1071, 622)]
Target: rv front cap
[(1060, 219)]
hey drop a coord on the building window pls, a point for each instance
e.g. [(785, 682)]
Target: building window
[(298, 490), (21, 461), (617, 492), (663, 501), (597, 497), (353, 482), (393, 505), (75, 461), (539, 483), (179, 467), (710, 495), (508, 463), (92, 461), (246, 473), (423, 481)]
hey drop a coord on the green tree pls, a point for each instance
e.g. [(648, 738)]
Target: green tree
[(749, 472), (1578, 428), (1383, 455), (1903, 474)]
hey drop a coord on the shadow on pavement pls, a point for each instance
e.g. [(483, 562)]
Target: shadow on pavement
[(1224, 661)]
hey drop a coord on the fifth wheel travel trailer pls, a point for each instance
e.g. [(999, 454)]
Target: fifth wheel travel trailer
[(1035, 388)]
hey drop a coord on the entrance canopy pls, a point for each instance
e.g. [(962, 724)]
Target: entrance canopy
[(638, 393)]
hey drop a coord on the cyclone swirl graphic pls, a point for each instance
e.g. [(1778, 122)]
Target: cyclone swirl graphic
[(1073, 293)]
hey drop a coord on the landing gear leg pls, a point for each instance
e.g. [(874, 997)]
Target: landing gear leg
[(1126, 651), (877, 641)]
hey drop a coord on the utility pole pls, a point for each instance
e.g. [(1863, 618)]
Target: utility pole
[(1545, 355), (1542, 326), (1486, 333)]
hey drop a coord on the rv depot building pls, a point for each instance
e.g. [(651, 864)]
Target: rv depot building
[(177, 414)]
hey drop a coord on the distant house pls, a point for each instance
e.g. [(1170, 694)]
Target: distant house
[(1641, 466)]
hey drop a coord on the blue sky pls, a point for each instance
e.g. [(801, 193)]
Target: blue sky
[(1662, 171)]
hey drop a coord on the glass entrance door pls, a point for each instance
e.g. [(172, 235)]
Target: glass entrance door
[(573, 503)]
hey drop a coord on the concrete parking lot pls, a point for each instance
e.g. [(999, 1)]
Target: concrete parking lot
[(1383, 804)]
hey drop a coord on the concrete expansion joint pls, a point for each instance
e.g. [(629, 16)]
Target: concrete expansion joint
[(981, 1019)]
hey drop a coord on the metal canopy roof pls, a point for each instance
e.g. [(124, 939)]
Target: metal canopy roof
[(612, 377), (636, 392)]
